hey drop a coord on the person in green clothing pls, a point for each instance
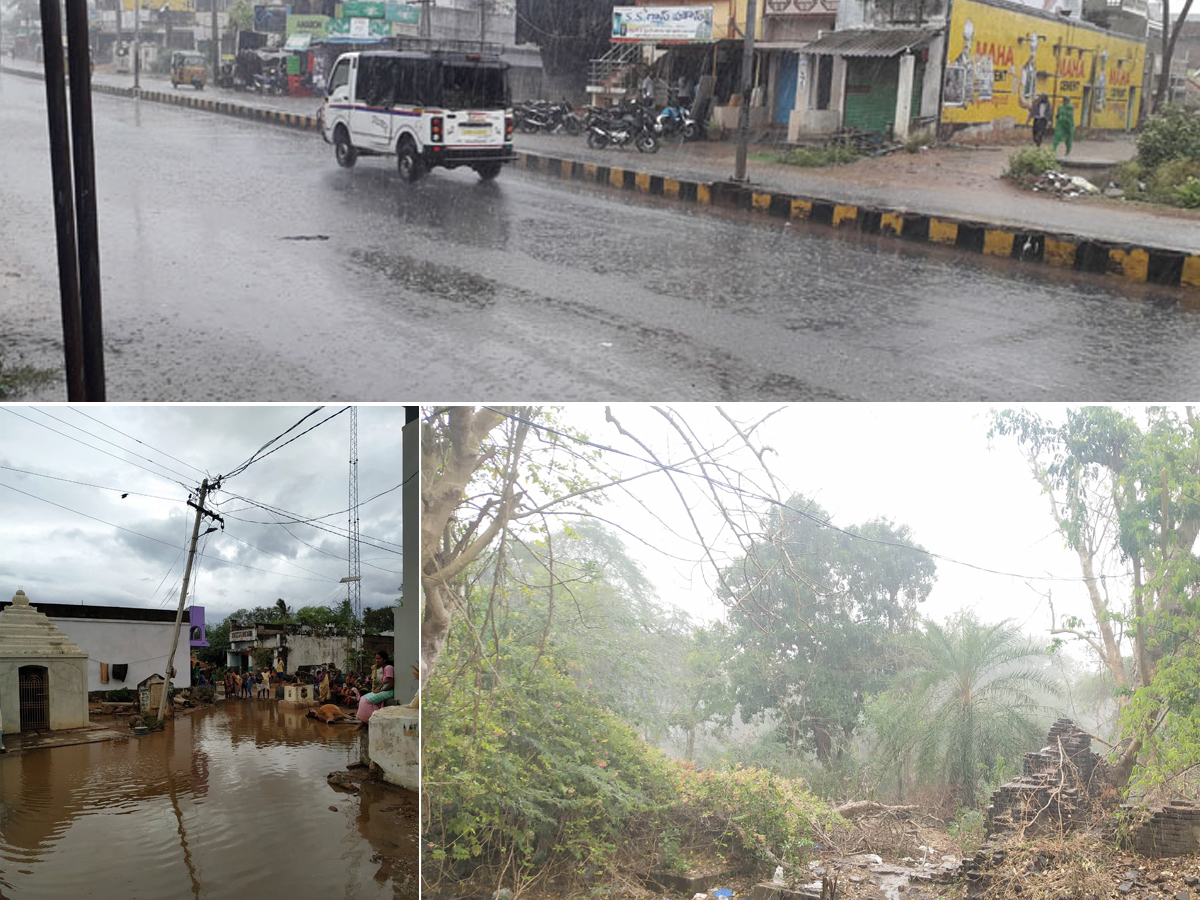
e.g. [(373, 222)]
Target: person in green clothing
[(1064, 126)]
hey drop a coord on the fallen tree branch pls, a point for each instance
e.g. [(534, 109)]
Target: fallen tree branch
[(858, 808)]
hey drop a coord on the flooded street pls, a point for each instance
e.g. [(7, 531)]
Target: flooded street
[(231, 801)]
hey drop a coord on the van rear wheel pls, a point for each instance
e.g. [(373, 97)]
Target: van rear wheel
[(343, 150), (408, 161)]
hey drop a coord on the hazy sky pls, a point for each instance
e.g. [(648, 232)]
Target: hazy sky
[(57, 555), (927, 466)]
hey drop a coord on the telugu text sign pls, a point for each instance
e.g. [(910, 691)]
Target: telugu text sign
[(692, 24)]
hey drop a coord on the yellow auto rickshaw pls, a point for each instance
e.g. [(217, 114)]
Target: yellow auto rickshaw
[(188, 68)]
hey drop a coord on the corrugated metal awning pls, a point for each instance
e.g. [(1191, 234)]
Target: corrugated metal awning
[(869, 42)]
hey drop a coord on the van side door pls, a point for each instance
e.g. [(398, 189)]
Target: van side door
[(337, 98), (370, 120)]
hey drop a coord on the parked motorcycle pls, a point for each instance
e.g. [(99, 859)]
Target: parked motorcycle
[(541, 115), (677, 120), (271, 81), (631, 125)]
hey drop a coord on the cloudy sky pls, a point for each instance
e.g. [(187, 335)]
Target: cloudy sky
[(130, 552), (928, 466)]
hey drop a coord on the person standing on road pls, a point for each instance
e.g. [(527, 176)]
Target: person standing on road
[(647, 88), (1064, 126), (1039, 115)]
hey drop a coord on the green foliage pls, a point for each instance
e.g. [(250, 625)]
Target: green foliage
[(813, 612), (241, 16), (836, 154), (973, 699), (1188, 194), (1130, 175), (263, 657), (218, 643), (764, 810), (1168, 177), (1030, 162), (15, 381), (1174, 133), (968, 830), (379, 620)]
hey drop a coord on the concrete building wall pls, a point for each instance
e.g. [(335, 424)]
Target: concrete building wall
[(66, 683), (315, 650), (143, 646), (408, 651), (395, 745)]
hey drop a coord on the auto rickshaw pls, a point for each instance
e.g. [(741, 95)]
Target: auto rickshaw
[(188, 68)]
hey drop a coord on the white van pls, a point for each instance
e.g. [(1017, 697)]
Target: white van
[(428, 108)]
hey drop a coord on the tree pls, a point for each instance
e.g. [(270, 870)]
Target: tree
[(1170, 34), (1125, 499), (701, 685), (218, 643), (813, 628), (281, 612), (379, 620), (974, 695), (568, 32)]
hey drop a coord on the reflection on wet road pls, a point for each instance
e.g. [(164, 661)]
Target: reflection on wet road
[(230, 802), (240, 263)]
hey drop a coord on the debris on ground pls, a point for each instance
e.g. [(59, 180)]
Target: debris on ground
[(1063, 185)]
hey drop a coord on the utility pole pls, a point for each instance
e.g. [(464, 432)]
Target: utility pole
[(426, 28), (747, 88), (137, 45), (216, 38), (482, 23), (201, 512), (354, 579)]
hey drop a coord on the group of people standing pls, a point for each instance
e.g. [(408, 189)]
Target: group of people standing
[(249, 685), (1040, 115), (367, 693)]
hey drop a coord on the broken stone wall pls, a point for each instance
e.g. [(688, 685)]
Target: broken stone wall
[(1051, 786), (1173, 830)]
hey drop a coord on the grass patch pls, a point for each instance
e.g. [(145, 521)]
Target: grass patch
[(1030, 162), (14, 382), (816, 157)]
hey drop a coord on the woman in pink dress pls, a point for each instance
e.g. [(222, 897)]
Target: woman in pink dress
[(371, 702)]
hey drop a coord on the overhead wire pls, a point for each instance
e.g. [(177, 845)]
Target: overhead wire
[(77, 410), (102, 487), (91, 434), (13, 412), (817, 520), (255, 457)]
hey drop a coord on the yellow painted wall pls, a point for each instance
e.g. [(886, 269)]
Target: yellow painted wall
[(1014, 56)]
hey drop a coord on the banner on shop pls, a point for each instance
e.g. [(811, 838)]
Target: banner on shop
[(662, 24)]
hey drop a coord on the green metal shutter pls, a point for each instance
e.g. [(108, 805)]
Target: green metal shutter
[(871, 93)]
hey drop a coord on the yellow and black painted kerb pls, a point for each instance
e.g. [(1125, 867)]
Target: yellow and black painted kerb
[(1150, 265)]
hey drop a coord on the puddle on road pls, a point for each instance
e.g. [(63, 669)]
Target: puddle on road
[(229, 802)]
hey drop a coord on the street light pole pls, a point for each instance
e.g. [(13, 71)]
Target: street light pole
[(216, 38), (747, 87)]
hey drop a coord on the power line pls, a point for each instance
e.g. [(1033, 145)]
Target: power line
[(255, 456), (111, 444), (13, 412), (295, 519), (311, 523), (101, 487), (296, 537), (76, 409), (817, 520), (149, 537)]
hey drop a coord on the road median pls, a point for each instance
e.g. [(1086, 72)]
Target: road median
[(1136, 262)]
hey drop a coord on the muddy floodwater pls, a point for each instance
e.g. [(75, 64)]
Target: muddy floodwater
[(229, 802)]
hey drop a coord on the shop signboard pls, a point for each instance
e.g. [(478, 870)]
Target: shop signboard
[(271, 18), (317, 26), (363, 9), (662, 24), (404, 13), (999, 60), (360, 28)]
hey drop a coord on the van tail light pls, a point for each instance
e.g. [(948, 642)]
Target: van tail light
[(435, 129), (508, 129)]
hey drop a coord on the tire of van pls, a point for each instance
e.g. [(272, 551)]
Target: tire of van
[(408, 161), (343, 150), (488, 170)]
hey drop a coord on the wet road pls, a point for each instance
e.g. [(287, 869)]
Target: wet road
[(230, 802), (240, 263)]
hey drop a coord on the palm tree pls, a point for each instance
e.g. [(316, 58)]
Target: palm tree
[(281, 612), (976, 690)]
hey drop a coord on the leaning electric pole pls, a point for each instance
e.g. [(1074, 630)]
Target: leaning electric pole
[(354, 579), (201, 512)]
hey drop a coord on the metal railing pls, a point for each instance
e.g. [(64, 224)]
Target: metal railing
[(609, 70)]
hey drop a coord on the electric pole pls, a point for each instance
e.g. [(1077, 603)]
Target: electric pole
[(201, 512), (354, 579), (747, 89), (137, 46), (216, 69), (425, 29)]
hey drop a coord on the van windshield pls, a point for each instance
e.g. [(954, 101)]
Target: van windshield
[(474, 87)]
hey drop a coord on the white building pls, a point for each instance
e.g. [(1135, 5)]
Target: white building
[(42, 672)]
